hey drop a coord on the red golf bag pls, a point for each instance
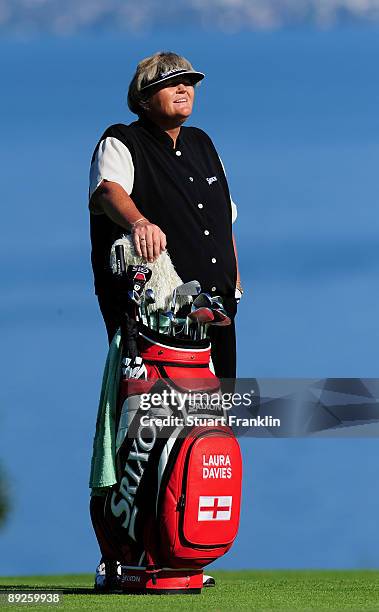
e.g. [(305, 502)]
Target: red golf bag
[(176, 504)]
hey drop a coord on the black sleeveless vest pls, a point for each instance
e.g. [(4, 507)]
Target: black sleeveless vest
[(184, 191)]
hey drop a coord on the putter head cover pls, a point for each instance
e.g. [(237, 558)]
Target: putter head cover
[(164, 278)]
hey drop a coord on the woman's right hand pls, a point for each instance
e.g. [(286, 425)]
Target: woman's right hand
[(148, 239)]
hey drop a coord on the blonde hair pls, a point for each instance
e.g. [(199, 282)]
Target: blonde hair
[(147, 70)]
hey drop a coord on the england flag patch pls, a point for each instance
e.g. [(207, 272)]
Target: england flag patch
[(215, 508)]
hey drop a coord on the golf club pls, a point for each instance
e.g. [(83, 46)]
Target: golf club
[(149, 300), (199, 316), (203, 300), (191, 288), (164, 322)]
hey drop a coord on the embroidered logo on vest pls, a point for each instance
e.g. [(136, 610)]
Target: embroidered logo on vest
[(211, 180)]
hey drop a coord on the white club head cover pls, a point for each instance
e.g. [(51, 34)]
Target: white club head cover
[(134, 368)]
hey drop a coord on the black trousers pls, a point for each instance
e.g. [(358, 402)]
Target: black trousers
[(223, 338)]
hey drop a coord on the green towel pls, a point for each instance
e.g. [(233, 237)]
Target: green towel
[(103, 465)]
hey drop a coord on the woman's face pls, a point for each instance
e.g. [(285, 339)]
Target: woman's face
[(172, 103)]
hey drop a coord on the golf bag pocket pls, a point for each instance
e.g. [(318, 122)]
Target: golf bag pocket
[(198, 513)]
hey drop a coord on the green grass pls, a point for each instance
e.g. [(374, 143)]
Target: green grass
[(243, 590)]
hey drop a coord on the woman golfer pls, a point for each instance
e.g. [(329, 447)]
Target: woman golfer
[(166, 185)]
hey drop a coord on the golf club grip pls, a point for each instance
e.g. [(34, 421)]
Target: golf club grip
[(120, 259)]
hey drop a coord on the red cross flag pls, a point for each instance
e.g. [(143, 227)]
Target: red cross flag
[(215, 508)]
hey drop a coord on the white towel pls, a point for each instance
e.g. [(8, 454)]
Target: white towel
[(164, 277)]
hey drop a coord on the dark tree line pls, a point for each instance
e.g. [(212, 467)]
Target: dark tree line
[(4, 502)]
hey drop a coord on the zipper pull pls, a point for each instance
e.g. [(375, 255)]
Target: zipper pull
[(181, 503)]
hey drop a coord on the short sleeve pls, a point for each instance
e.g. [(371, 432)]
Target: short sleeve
[(232, 204), (112, 162), (234, 210)]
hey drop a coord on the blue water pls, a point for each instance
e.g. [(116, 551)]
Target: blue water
[(294, 117)]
